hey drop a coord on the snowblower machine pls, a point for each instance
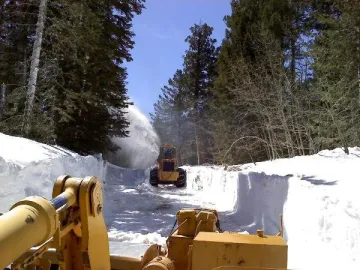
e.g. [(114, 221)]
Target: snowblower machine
[(166, 170), (69, 232)]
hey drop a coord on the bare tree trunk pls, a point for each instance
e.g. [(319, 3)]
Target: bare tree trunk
[(293, 60), (197, 145), (25, 68), (2, 100), (34, 68), (270, 136), (358, 60), (180, 161)]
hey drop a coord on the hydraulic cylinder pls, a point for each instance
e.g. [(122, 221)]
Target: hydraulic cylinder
[(29, 223)]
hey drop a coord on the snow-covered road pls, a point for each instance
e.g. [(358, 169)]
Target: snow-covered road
[(133, 206), (318, 196)]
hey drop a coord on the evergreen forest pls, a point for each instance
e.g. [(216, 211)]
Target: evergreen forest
[(62, 73), (284, 80)]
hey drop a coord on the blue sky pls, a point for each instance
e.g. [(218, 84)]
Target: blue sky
[(160, 43)]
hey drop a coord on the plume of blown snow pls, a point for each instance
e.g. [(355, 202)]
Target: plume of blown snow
[(141, 149)]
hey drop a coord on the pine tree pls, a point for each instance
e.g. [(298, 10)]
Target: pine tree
[(200, 69), (337, 56), (81, 79), (17, 31), (91, 57), (181, 114), (169, 118), (261, 39)]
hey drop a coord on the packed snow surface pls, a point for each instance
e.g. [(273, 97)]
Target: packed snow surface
[(317, 195)]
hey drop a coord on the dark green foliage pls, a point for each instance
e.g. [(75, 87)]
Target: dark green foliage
[(81, 88), (337, 75), (200, 69), (256, 31), (181, 112), (169, 117), (286, 82), (17, 31)]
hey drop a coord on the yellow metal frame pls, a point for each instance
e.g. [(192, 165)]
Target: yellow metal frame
[(232, 249), (87, 225), (70, 231), (168, 176)]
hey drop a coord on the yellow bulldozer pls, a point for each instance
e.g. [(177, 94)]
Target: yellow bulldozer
[(166, 170), (68, 232)]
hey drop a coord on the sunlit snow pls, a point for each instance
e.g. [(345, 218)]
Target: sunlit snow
[(317, 196)]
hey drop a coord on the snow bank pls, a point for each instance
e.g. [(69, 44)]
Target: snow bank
[(317, 195), (30, 168), (208, 187), (319, 200), (21, 151)]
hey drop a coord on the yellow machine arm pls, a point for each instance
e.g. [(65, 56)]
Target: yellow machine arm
[(69, 232), (71, 222)]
